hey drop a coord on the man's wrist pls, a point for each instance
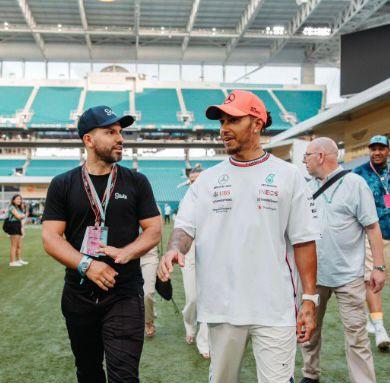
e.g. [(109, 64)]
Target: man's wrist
[(84, 265), (380, 267), (313, 298)]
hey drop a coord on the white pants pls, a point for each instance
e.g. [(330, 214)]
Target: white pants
[(189, 311), (149, 264), (274, 349)]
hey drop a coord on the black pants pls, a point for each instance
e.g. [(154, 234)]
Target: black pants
[(104, 324), (167, 219)]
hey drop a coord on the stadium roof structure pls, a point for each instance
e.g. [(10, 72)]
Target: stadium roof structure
[(253, 32), (375, 94)]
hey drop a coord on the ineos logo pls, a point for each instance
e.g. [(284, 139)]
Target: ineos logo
[(109, 112), (230, 98)]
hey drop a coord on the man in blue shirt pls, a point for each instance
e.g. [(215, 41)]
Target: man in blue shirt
[(376, 174)]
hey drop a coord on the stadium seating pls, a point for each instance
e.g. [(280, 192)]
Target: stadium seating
[(52, 106), (158, 107), (118, 101), (50, 168), (13, 99), (7, 167), (197, 100), (304, 103), (272, 106)]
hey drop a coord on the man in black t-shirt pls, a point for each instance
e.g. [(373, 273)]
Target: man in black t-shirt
[(102, 300)]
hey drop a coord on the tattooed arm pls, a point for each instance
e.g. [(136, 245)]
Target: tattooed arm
[(179, 244)]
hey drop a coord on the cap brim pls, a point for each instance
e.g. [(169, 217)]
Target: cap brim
[(378, 143), (214, 112), (124, 122)]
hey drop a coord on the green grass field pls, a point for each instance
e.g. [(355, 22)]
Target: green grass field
[(34, 346)]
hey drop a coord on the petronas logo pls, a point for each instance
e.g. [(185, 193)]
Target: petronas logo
[(270, 179)]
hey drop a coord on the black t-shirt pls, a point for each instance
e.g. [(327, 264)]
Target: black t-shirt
[(132, 200)]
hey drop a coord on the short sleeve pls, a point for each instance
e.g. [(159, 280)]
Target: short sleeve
[(55, 205), (186, 217), (366, 212), (303, 225), (146, 204)]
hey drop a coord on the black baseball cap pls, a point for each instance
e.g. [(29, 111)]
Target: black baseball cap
[(100, 117)]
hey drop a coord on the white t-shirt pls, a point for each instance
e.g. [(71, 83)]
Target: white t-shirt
[(244, 218)]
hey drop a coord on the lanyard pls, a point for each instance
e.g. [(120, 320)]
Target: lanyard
[(97, 206), (382, 179)]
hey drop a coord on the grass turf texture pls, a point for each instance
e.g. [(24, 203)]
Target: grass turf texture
[(34, 346)]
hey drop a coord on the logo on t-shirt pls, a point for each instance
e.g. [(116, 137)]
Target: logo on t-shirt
[(223, 179), (120, 196), (270, 179)]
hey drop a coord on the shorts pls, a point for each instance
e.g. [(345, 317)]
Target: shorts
[(14, 228)]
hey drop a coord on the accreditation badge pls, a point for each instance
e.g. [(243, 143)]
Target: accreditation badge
[(94, 235), (386, 199)]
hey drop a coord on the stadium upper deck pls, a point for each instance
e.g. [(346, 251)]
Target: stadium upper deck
[(55, 105)]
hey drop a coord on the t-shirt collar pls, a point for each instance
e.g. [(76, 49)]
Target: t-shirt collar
[(245, 164)]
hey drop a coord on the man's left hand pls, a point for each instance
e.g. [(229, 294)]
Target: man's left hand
[(377, 280), (306, 321), (117, 254)]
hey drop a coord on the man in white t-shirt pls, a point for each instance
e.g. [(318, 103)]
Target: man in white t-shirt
[(252, 220)]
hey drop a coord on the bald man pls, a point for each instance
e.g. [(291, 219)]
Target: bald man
[(347, 212)]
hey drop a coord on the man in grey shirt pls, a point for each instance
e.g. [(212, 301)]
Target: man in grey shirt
[(346, 211)]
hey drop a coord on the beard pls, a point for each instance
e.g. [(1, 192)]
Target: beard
[(108, 155)]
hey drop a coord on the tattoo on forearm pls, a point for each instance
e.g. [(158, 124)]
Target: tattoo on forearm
[(180, 241)]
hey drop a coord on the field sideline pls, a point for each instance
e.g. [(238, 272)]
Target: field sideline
[(34, 346)]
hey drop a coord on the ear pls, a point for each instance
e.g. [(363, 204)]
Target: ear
[(88, 140), (258, 123)]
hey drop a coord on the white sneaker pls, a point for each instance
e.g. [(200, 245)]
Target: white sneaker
[(15, 264), (382, 339), (370, 327), (23, 262)]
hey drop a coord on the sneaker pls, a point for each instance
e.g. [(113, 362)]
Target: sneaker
[(15, 264), (370, 327), (23, 262), (382, 339), (309, 380)]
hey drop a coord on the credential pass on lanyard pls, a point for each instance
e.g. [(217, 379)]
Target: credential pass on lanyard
[(97, 206)]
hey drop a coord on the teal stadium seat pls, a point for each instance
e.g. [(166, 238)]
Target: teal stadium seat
[(304, 103), (158, 107), (119, 102), (7, 167), (13, 99), (50, 168), (52, 106), (197, 101), (165, 176), (272, 106)]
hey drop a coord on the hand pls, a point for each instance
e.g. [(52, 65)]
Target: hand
[(306, 321), (115, 253), (101, 274), (377, 280), (165, 267)]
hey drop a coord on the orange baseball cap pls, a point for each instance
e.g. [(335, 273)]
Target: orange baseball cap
[(239, 103)]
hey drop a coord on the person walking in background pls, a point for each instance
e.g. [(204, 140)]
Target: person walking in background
[(149, 264), (167, 213), (346, 210), (189, 282), (15, 230), (376, 174)]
